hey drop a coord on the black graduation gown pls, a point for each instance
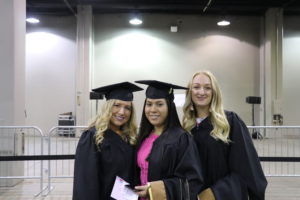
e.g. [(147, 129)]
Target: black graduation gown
[(233, 170), (174, 160), (95, 171)]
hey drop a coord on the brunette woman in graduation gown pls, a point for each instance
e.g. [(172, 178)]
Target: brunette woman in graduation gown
[(230, 164), (105, 150), (167, 157)]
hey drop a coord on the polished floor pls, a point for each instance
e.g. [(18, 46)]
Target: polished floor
[(279, 188)]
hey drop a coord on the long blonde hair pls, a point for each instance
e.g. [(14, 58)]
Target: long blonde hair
[(102, 120), (218, 118)]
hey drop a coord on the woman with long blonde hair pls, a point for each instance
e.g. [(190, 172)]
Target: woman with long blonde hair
[(105, 149), (229, 161)]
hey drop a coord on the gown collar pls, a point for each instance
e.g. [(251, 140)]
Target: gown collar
[(110, 134), (200, 119), (204, 123)]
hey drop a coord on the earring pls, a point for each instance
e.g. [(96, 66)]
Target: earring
[(192, 108)]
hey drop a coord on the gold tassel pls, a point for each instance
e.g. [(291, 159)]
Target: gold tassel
[(207, 194), (150, 191)]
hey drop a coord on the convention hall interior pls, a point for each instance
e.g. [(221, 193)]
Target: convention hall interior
[(54, 52)]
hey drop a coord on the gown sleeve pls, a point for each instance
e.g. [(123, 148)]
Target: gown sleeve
[(86, 172), (187, 179), (246, 175)]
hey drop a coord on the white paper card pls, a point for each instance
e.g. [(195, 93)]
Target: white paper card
[(121, 192)]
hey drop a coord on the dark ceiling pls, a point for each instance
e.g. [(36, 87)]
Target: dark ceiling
[(229, 7)]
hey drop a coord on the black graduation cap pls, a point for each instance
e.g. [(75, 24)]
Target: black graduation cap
[(121, 91), (95, 95), (158, 89)]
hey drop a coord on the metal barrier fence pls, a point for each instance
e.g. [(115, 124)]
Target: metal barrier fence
[(62, 140), (278, 148), (21, 141)]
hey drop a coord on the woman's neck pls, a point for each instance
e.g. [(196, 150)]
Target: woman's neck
[(158, 130), (202, 112)]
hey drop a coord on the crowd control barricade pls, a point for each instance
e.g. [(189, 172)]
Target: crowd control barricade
[(26, 153), (278, 148), (62, 142), (19, 147)]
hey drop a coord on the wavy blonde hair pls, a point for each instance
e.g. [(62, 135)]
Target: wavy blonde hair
[(101, 123), (218, 118)]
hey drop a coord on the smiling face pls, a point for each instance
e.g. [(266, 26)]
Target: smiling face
[(121, 111), (156, 111), (202, 91)]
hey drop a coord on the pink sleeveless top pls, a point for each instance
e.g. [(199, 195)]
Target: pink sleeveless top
[(143, 154)]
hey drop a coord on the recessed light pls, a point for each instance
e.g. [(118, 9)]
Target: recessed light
[(223, 23), (135, 21), (32, 20)]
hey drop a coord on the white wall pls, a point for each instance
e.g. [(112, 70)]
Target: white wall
[(291, 71), (50, 70), (126, 53)]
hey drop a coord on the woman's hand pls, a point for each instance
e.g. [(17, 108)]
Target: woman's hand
[(142, 190)]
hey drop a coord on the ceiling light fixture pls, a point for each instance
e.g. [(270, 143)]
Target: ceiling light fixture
[(32, 20), (223, 23), (135, 21)]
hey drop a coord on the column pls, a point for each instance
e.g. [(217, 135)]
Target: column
[(84, 45), (12, 80), (272, 64)]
